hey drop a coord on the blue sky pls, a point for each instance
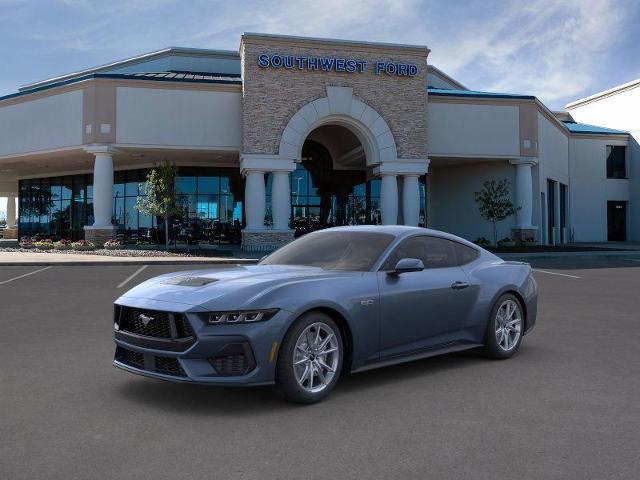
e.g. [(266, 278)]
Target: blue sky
[(557, 50)]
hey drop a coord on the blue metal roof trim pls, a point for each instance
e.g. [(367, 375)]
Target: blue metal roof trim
[(444, 92), (585, 128), (227, 79)]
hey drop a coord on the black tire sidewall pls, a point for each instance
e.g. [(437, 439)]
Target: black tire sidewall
[(492, 349), (285, 375)]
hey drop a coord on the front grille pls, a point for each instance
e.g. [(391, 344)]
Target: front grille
[(169, 366), (164, 365), (183, 327), (149, 323), (154, 324), (129, 357), (234, 359)]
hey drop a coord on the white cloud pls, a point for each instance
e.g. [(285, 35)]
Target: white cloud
[(547, 48)]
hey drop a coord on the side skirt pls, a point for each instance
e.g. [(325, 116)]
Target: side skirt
[(417, 356)]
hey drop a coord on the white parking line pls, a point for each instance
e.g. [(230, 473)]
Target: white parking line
[(25, 275), (132, 276), (556, 273)]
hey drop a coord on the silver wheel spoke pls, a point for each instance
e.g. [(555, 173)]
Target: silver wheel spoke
[(325, 366), (508, 323), (315, 361)]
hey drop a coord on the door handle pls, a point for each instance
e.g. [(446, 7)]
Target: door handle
[(459, 285)]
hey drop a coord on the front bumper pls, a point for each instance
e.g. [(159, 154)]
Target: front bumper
[(229, 354)]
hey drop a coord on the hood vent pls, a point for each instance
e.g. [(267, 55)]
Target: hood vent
[(189, 281)]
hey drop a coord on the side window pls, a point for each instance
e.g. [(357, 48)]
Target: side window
[(465, 254), (433, 251)]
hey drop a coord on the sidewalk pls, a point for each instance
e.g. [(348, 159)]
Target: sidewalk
[(37, 259)]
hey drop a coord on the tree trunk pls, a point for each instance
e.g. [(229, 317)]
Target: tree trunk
[(166, 232), (495, 234)]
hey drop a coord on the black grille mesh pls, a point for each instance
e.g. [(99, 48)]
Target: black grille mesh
[(129, 357), (152, 323), (231, 364), (169, 366)]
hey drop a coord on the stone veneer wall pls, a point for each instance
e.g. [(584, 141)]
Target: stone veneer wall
[(265, 240), (99, 235), (9, 233), (272, 96)]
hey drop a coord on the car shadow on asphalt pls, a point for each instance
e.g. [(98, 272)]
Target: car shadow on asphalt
[(209, 400)]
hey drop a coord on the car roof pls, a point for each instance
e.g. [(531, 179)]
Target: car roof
[(400, 231)]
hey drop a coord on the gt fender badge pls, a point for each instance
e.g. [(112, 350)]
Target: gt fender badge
[(366, 303)]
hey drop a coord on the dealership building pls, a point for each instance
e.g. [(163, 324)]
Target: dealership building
[(293, 134)]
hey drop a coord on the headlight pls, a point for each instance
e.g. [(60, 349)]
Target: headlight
[(242, 316)]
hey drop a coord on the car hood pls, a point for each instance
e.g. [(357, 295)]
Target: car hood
[(230, 287)]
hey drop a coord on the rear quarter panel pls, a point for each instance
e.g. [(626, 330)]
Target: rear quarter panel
[(495, 277)]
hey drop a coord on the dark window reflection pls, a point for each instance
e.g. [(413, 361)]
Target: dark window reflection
[(211, 202)]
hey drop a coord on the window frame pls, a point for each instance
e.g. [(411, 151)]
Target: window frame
[(608, 150), (387, 255)]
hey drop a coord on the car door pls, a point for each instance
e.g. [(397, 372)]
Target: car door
[(424, 309)]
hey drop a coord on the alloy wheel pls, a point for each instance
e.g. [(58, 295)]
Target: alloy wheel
[(508, 325), (316, 357)]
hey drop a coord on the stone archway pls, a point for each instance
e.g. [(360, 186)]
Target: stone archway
[(339, 107)]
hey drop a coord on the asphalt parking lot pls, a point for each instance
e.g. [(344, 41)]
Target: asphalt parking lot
[(566, 406)]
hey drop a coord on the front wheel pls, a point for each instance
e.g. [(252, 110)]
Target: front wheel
[(310, 359), (505, 327)]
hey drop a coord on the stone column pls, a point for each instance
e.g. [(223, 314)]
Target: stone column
[(411, 200), (11, 212), (255, 199), (524, 230), (256, 237), (11, 232), (280, 200), (389, 199), (102, 228)]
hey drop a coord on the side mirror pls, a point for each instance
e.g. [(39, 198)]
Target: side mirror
[(405, 265)]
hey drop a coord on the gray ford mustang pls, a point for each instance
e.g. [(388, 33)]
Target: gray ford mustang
[(340, 300)]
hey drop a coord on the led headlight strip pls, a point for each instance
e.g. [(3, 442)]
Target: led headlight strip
[(241, 316)]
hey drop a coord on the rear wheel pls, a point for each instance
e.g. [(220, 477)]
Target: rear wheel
[(505, 327), (310, 359)]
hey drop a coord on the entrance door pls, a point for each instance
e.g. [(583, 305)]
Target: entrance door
[(617, 221)]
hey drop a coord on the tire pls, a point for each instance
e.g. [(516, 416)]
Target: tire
[(504, 328), (310, 359)]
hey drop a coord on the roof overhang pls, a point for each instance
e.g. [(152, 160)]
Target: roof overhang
[(145, 57)]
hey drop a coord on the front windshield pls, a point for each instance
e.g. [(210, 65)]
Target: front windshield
[(333, 250)]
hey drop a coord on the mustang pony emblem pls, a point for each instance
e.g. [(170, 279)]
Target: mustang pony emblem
[(145, 319)]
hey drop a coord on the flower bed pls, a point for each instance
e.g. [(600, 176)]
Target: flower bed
[(83, 245), (62, 245), (113, 245)]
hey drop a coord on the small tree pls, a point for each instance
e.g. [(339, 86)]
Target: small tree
[(494, 203), (161, 200)]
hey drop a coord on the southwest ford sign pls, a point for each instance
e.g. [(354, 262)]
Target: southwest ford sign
[(333, 64)]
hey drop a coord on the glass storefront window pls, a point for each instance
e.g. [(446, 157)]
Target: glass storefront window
[(59, 207)]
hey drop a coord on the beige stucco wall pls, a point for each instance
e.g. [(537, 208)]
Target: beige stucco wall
[(178, 117), (50, 122), (272, 96)]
